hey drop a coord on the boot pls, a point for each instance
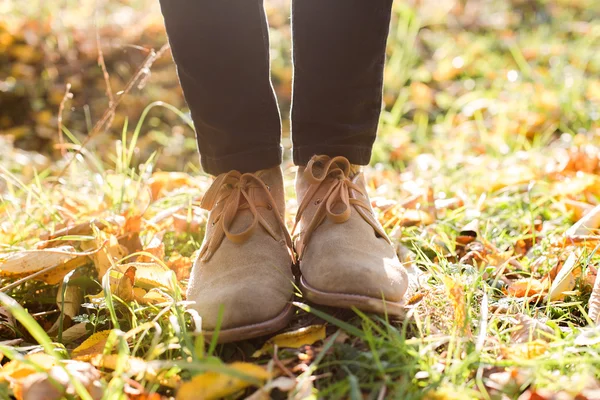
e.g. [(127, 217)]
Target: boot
[(345, 257), (244, 266)]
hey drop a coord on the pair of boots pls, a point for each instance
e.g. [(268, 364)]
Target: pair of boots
[(245, 263)]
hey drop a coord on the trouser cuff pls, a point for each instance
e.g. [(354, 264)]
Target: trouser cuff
[(359, 155), (248, 161)]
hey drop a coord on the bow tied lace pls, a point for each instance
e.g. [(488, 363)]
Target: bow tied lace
[(341, 194), (230, 193)]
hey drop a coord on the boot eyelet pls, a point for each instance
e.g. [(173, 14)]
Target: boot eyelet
[(269, 207), (268, 188), (318, 201), (213, 223)]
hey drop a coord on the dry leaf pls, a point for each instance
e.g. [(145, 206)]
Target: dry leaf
[(111, 252), (298, 338), (162, 182), (594, 303), (21, 264), (181, 265), (91, 346), (150, 275), (530, 329), (155, 250), (456, 294), (214, 385), (71, 302), (135, 367), (39, 386), (525, 351), (18, 369), (565, 279), (525, 287), (283, 384), (74, 333), (587, 225)]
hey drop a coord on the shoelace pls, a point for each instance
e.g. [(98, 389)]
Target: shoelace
[(333, 173), (228, 194)]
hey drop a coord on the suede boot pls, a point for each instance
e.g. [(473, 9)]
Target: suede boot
[(244, 266), (345, 257)]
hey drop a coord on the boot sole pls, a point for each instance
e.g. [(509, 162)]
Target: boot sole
[(255, 330), (363, 303)]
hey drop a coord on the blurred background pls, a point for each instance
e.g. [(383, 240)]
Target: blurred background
[(475, 76)]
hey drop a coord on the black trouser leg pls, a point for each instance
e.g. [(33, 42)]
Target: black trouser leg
[(221, 49), (339, 55)]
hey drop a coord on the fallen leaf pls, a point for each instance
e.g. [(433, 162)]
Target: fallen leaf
[(70, 303), (298, 338), (44, 386), (525, 287), (587, 225), (92, 346), (214, 385), (150, 275), (594, 302), (181, 265), (283, 384), (529, 329), (136, 367), (456, 293), (111, 251), (162, 182), (74, 333), (18, 368), (525, 351), (565, 279), (155, 250), (59, 261)]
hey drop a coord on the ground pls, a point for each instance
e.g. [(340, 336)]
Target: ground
[(486, 175)]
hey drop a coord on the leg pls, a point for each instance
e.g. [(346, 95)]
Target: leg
[(221, 49), (339, 55), (345, 257)]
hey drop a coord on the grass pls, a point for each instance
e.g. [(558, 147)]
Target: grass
[(492, 109)]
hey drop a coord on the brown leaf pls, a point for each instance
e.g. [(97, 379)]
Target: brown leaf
[(529, 329)]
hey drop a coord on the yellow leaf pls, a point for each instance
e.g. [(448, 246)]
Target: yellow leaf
[(214, 385), (18, 369), (61, 260), (456, 294), (91, 346), (303, 336), (135, 366), (525, 351), (150, 275), (565, 280), (109, 254), (162, 182)]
